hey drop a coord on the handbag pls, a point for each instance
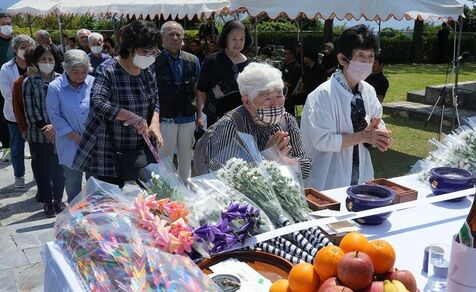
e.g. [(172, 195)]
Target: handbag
[(128, 163)]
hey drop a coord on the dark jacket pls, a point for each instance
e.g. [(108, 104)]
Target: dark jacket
[(177, 98)]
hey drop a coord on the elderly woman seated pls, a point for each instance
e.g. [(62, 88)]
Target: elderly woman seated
[(262, 116)]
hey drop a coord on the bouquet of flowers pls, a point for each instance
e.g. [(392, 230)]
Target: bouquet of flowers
[(235, 224), (163, 181), (458, 149), (252, 183)]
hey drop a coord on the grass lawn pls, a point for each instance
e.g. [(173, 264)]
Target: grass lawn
[(405, 77), (411, 138), (410, 144)]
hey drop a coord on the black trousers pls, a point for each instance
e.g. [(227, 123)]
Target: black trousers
[(49, 173), (4, 133)]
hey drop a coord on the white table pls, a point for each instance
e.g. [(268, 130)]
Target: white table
[(409, 231)]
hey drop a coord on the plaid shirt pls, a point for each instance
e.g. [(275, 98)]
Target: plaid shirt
[(34, 103), (114, 89)]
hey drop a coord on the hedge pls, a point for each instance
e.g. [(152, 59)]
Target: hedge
[(395, 46)]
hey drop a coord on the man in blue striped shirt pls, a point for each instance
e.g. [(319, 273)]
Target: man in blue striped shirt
[(67, 103)]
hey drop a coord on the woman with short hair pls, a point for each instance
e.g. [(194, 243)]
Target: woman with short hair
[(9, 72), (220, 70), (124, 105), (342, 118), (67, 103), (41, 133), (261, 115)]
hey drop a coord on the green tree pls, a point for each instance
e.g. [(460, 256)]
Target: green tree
[(417, 42)]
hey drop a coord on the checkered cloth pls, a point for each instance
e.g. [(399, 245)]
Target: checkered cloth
[(114, 89), (34, 104)]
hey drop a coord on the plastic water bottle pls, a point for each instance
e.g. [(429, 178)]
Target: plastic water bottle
[(437, 279)]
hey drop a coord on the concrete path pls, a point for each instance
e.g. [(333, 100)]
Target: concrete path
[(23, 230)]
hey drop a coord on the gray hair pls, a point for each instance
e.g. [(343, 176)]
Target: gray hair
[(83, 30), (95, 37), (20, 39), (169, 24), (75, 58), (42, 33), (258, 77)]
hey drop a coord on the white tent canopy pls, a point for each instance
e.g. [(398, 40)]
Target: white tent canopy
[(165, 8), (353, 9), (34, 7)]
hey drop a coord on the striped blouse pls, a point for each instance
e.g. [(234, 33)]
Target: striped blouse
[(221, 146)]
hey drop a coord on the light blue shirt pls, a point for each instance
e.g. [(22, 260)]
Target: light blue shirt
[(68, 109)]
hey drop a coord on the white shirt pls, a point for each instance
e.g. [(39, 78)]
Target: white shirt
[(8, 74), (325, 118)]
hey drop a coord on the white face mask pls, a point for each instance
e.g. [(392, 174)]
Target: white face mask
[(46, 68), (6, 30), (143, 62), (359, 71), (96, 49), (21, 54)]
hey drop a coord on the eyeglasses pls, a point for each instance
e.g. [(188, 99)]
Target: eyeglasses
[(235, 70)]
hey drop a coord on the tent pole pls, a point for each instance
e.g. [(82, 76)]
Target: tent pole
[(455, 87), (29, 24), (256, 37), (379, 26), (60, 25)]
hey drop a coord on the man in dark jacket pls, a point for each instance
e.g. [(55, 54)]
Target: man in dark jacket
[(177, 74)]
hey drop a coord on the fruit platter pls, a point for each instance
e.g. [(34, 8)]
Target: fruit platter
[(357, 264)]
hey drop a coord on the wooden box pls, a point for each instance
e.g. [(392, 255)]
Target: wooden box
[(318, 201), (404, 194)]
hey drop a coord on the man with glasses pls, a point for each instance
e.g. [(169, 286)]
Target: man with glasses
[(177, 73), (83, 35)]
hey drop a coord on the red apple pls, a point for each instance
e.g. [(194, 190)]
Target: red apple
[(333, 285), (355, 270), (404, 276), (376, 286)]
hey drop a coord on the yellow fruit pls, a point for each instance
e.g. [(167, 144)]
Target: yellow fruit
[(281, 285)]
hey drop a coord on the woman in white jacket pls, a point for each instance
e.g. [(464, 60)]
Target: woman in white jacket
[(341, 120)]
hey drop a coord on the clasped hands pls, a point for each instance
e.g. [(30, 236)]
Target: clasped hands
[(378, 137)]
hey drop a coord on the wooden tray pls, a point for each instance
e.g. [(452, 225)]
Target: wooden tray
[(404, 194), (270, 266), (312, 197)]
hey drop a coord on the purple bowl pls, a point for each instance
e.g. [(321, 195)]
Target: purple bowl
[(445, 180), (365, 197)]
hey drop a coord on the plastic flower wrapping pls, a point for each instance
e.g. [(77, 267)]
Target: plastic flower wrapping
[(458, 149), (127, 241)]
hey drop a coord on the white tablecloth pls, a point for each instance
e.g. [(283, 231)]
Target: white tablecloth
[(409, 231)]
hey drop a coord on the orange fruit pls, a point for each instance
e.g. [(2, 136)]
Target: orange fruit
[(303, 278), (326, 261), (353, 241), (382, 255), (281, 285)]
